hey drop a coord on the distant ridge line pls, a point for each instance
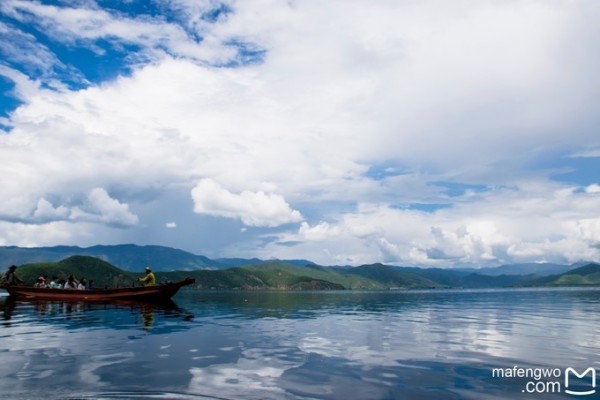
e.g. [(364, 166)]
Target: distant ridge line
[(133, 257)]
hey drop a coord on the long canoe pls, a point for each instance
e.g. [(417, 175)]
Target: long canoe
[(156, 293)]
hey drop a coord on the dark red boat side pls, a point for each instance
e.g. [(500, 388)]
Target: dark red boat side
[(156, 293)]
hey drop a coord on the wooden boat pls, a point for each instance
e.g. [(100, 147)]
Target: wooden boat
[(158, 293)]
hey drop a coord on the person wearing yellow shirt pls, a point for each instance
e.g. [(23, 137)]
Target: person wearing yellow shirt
[(149, 279)]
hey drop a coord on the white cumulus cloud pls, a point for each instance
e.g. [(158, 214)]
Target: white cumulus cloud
[(527, 224), (100, 207), (253, 208)]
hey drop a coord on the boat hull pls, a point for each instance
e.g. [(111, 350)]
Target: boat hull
[(156, 293)]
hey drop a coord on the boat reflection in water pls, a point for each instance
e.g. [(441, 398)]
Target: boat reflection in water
[(75, 315)]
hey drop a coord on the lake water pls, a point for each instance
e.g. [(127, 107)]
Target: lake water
[(304, 345)]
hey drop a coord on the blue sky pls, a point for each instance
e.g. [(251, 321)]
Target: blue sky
[(347, 132)]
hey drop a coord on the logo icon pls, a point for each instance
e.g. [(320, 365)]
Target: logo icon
[(590, 370)]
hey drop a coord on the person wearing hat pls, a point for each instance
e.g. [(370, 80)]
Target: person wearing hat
[(41, 283), (10, 277), (149, 279)]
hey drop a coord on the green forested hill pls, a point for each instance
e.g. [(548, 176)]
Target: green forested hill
[(275, 275), (280, 275), (102, 273), (587, 275), (274, 270), (391, 277)]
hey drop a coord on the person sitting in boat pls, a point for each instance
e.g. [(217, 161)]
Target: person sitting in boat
[(82, 284), (10, 277), (54, 284), (41, 283), (71, 283), (149, 279)]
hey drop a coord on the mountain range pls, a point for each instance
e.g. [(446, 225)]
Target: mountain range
[(277, 275), (130, 257), (254, 274)]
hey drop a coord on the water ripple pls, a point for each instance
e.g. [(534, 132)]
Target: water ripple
[(417, 345), (140, 395)]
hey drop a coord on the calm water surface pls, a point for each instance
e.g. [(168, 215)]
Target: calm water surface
[(300, 345)]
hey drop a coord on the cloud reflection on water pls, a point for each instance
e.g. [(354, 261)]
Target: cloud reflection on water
[(438, 344), (255, 375)]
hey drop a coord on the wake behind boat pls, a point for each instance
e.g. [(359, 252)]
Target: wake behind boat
[(157, 293)]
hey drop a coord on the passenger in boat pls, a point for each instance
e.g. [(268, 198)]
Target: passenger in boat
[(10, 277), (149, 279), (82, 284), (54, 284), (71, 283), (90, 285), (40, 283)]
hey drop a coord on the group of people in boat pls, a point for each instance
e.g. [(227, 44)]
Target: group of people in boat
[(69, 283), (11, 278)]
